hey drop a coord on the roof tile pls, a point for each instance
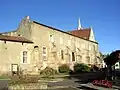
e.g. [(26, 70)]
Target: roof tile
[(14, 38), (84, 33)]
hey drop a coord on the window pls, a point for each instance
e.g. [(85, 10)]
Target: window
[(35, 47), (83, 46), (24, 56), (95, 60), (61, 40), (88, 59), (14, 68), (77, 44), (62, 55), (36, 53), (69, 42), (79, 58), (44, 51), (73, 56), (51, 38), (94, 47), (69, 57), (89, 47), (77, 50)]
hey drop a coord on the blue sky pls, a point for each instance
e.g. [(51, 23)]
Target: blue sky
[(102, 15)]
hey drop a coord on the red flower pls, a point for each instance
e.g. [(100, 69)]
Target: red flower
[(102, 83)]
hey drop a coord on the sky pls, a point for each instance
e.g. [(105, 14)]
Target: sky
[(102, 15)]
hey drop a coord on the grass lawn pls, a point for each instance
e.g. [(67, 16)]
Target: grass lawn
[(4, 77)]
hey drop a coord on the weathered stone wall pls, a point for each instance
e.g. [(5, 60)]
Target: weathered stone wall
[(62, 41), (12, 52)]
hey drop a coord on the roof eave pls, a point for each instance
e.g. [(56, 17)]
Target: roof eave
[(17, 41)]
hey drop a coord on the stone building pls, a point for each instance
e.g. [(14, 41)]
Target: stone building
[(34, 46)]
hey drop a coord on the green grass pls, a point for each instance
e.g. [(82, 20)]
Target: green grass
[(4, 77)]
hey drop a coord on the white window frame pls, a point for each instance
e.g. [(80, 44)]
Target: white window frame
[(24, 48)]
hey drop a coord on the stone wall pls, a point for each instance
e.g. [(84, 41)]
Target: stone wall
[(12, 52), (30, 86)]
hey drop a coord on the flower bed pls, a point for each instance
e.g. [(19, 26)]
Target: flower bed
[(104, 83)]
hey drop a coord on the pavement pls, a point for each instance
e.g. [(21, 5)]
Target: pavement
[(82, 82), (3, 84), (80, 86)]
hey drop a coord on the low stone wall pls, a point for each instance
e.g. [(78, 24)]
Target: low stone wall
[(34, 86), (30, 86)]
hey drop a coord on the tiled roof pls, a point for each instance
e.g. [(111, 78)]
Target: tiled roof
[(14, 39), (84, 33)]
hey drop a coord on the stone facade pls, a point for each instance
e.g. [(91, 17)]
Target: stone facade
[(51, 47)]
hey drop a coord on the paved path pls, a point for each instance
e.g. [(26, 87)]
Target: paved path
[(76, 82), (64, 83)]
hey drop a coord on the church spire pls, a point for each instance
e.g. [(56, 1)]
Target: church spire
[(79, 24)]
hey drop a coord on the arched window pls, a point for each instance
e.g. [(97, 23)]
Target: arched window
[(35, 47), (36, 53)]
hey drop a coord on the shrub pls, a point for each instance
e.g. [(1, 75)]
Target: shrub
[(23, 79), (94, 68), (64, 68), (81, 68), (48, 72)]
